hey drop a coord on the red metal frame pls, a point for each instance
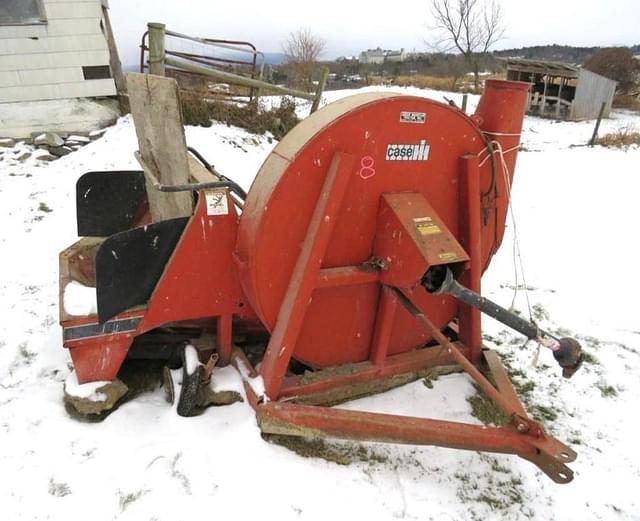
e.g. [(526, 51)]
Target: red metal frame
[(183, 293), (306, 272), (384, 323), (521, 436), (471, 237), (296, 419)]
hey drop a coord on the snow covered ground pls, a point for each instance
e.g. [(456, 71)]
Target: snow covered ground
[(577, 214)]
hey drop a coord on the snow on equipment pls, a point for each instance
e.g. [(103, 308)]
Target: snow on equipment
[(352, 266)]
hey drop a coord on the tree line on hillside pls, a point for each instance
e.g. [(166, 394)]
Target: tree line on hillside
[(460, 37)]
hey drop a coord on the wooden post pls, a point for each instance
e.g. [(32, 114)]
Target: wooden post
[(156, 48), (544, 94), (464, 103), (595, 130), (114, 59), (559, 98), (321, 84), (155, 106), (536, 100)]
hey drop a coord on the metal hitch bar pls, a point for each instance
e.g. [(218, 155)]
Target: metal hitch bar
[(549, 454)]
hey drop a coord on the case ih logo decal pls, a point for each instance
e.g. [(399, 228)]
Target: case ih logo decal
[(401, 152)]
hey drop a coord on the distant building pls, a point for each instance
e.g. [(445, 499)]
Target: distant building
[(53, 52), (396, 56), (562, 90), (379, 56), (347, 59), (372, 56)]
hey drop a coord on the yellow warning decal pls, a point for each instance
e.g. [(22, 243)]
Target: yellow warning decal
[(427, 228), (448, 256)]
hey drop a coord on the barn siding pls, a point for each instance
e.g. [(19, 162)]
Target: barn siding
[(592, 91), (53, 60), (71, 43), (67, 10), (60, 27), (82, 89), (41, 77), (44, 62)]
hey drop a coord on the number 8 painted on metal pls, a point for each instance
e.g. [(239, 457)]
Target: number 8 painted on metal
[(366, 167)]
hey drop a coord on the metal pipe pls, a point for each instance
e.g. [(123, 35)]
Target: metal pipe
[(234, 187), (190, 187)]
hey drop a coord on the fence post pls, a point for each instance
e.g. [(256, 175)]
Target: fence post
[(464, 103), (321, 84), (595, 130), (156, 48)]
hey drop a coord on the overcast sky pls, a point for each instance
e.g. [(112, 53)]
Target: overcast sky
[(351, 26)]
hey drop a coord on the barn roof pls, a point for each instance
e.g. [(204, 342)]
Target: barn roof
[(566, 70)]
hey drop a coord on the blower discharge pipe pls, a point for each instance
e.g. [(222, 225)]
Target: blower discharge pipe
[(500, 114), (566, 351)]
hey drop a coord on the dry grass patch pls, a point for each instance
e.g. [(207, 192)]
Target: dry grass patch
[(200, 111), (621, 137)]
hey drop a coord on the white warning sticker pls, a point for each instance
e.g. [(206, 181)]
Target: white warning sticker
[(408, 152), (217, 203), (413, 117)]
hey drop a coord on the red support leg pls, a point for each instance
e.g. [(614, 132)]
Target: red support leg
[(471, 230), (305, 274), (100, 359), (384, 323), (224, 339)]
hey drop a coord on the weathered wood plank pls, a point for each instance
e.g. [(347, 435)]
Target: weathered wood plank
[(199, 173), (591, 92), (114, 57), (163, 149)]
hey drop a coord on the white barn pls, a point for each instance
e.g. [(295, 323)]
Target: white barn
[(55, 60)]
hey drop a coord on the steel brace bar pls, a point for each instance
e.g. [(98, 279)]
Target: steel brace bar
[(549, 454)]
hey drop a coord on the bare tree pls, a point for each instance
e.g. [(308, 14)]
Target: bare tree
[(619, 64), (469, 26), (302, 49)]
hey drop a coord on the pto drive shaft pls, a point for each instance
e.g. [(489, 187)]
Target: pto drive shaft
[(566, 351)]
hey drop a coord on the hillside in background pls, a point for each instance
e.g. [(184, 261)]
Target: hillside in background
[(555, 52)]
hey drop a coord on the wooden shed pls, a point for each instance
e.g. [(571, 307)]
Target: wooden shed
[(52, 51), (562, 90)]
